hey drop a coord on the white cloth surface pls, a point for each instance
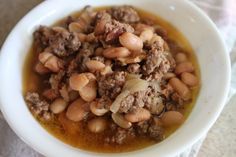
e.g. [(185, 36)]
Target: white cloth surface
[(220, 11)]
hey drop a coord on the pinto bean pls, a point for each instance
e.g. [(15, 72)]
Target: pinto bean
[(94, 65), (116, 52), (139, 28), (180, 88), (120, 120), (97, 125), (98, 51), (189, 79), (39, 68), (146, 35), (60, 30), (50, 94), (131, 41), (158, 40), (78, 81), (100, 27), (108, 62), (73, 95), (180, 57), (171, 118), (184, 67), (169, 75), (44, 56), (76, 27), (138, 115), (133, 59), (54, 64), (106, 70), (89, 92), (77, 110), (82, 37), (96, 108), (58, 105)]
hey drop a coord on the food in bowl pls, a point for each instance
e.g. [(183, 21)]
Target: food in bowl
[(110, 79)]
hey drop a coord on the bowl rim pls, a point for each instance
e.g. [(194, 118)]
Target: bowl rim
[(197, 136)]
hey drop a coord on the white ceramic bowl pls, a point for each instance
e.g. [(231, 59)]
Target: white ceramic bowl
[(186, 17)]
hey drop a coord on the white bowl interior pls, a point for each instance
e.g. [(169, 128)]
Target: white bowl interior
[(196, 27)]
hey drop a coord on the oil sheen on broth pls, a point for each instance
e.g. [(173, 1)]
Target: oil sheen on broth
[(83, 138)]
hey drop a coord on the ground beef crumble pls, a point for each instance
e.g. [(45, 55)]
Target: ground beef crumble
[(40, 108), (114, 29), (125, 14), (111, 85), (58, 40), (121, 135)]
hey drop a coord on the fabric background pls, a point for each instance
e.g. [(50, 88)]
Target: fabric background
[(221, 139)]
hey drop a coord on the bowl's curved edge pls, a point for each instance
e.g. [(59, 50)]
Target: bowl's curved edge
[(182, 147)]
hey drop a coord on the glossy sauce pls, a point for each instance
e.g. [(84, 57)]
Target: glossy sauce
[(80, 136)]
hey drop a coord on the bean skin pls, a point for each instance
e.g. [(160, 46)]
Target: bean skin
[(116, 52), (180, 57), (58, 105), (89, 92), (39, 68), (44, 56), (146, 35), (189, 79), (171, 118), (180, 88), (97, 125), (94, 65), (169, 75), (76, 27), (77, 110), (131, 41), (96, 109), (184, 67), (78, 81), (138, 115), (53, 63)]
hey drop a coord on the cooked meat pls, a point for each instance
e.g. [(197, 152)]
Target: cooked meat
[(157, 61), (55, 80), (142, 127), (59, 40), (125, 14), (84, 55), (121, 136), (154, 101), (111, 85), (37, 106), (149, 98), (127, 103), (105, 101), (155, 130), (167, 91), (50, 94), (134, 68), (102, 18), (114, 29)]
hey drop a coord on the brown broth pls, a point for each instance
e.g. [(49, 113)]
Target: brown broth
[(83, 138)]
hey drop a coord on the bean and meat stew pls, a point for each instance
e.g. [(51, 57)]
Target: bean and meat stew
[(111, 79)]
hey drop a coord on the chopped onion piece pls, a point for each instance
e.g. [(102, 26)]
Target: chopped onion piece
[(116, 104)]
